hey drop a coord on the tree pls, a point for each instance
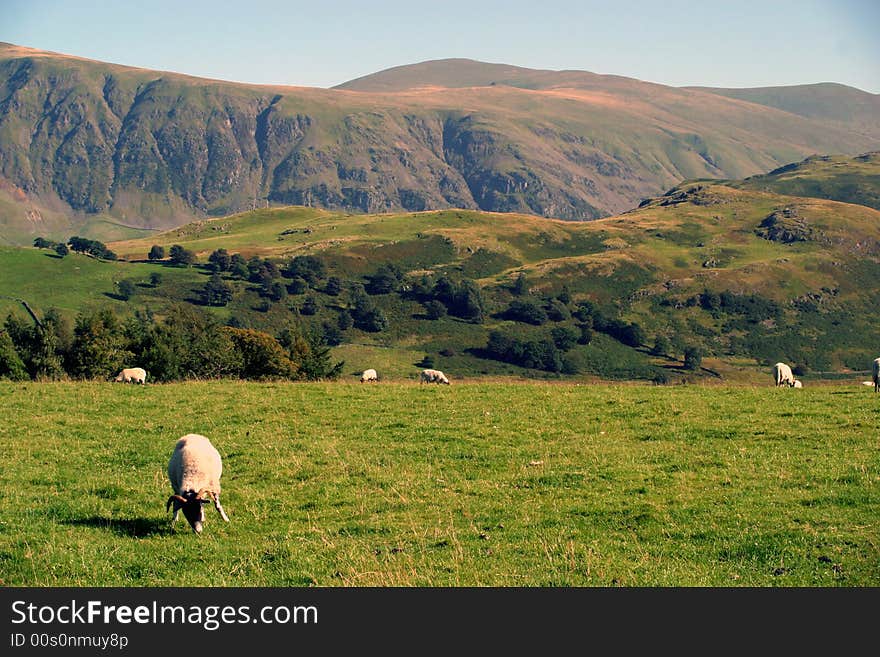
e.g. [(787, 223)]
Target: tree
[(155, 279), (565, 295), (520, 286), (188, 344), (693, 357), (309, 306), (435, 309), (182, 256), (332, 335), (524, 310), (276, 290), (238, 266), (61, 249), (586, 335), (216, 292), (220, 260), (345, 320), (557, 311), (99, 345), (385, 279), (312, 354), (333, 286), (11, 365), (156, 252), (563, 337), (662, 346), (308, 267), (262, 355), (43, 243), (298, 285), (468, 302), (126, 289), (427, 361)]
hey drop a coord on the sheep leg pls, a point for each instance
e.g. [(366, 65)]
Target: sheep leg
[(219, 507), (176, 513)]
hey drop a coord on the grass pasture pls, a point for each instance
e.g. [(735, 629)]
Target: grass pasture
[(475, 484)]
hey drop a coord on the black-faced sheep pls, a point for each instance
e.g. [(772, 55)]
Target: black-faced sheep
[(194, 472)]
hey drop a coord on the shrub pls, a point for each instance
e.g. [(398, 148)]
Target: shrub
[(693, 357), (525, 311)]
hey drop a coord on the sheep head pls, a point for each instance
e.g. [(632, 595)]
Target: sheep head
[(191, 505)]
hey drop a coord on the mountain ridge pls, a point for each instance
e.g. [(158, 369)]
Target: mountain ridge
[(90, 147)]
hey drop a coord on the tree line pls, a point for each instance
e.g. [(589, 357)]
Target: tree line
[(186, 344)]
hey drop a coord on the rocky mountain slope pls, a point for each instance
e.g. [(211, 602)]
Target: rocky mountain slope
[(114, 152)]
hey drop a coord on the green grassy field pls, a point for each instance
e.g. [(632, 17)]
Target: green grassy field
[(483, 484)]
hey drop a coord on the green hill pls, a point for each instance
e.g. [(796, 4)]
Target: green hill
[(743, 277), (108, 151), (837, 178)]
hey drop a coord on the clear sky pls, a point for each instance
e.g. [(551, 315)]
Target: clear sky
[(322, 43)]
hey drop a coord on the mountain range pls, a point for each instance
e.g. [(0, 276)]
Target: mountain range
[(115, 152)]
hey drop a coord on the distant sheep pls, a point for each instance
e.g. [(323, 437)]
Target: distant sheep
[(782, 375), (433, 376), (369, 375), (194, 472), (875, 374), (132, 375)]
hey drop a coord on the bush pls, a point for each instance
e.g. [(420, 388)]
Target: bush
[(333, 286), (262, 356), (557, 311), (126, 289), (693, 358), (525, 311), (435, 309), (61, 249)]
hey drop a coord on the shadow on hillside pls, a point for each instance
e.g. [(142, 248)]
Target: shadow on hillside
[(132, 527)]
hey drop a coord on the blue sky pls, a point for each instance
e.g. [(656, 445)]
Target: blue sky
[(326, 42)]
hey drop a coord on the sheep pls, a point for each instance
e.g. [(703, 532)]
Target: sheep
[(797, 384), (875, 374), (433, 376), (194, 472), (782, 375), (132, 375), (369, 375)]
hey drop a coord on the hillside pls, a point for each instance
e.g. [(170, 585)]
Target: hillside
[(110, 152), (836, 103), (744, 277), (845, 179)]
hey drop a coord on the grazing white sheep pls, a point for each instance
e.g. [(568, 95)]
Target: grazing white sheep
[(194, 472), (797, 384), (782, 375), (132, 375), (875, 374), (433, 376), (369, 375)]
